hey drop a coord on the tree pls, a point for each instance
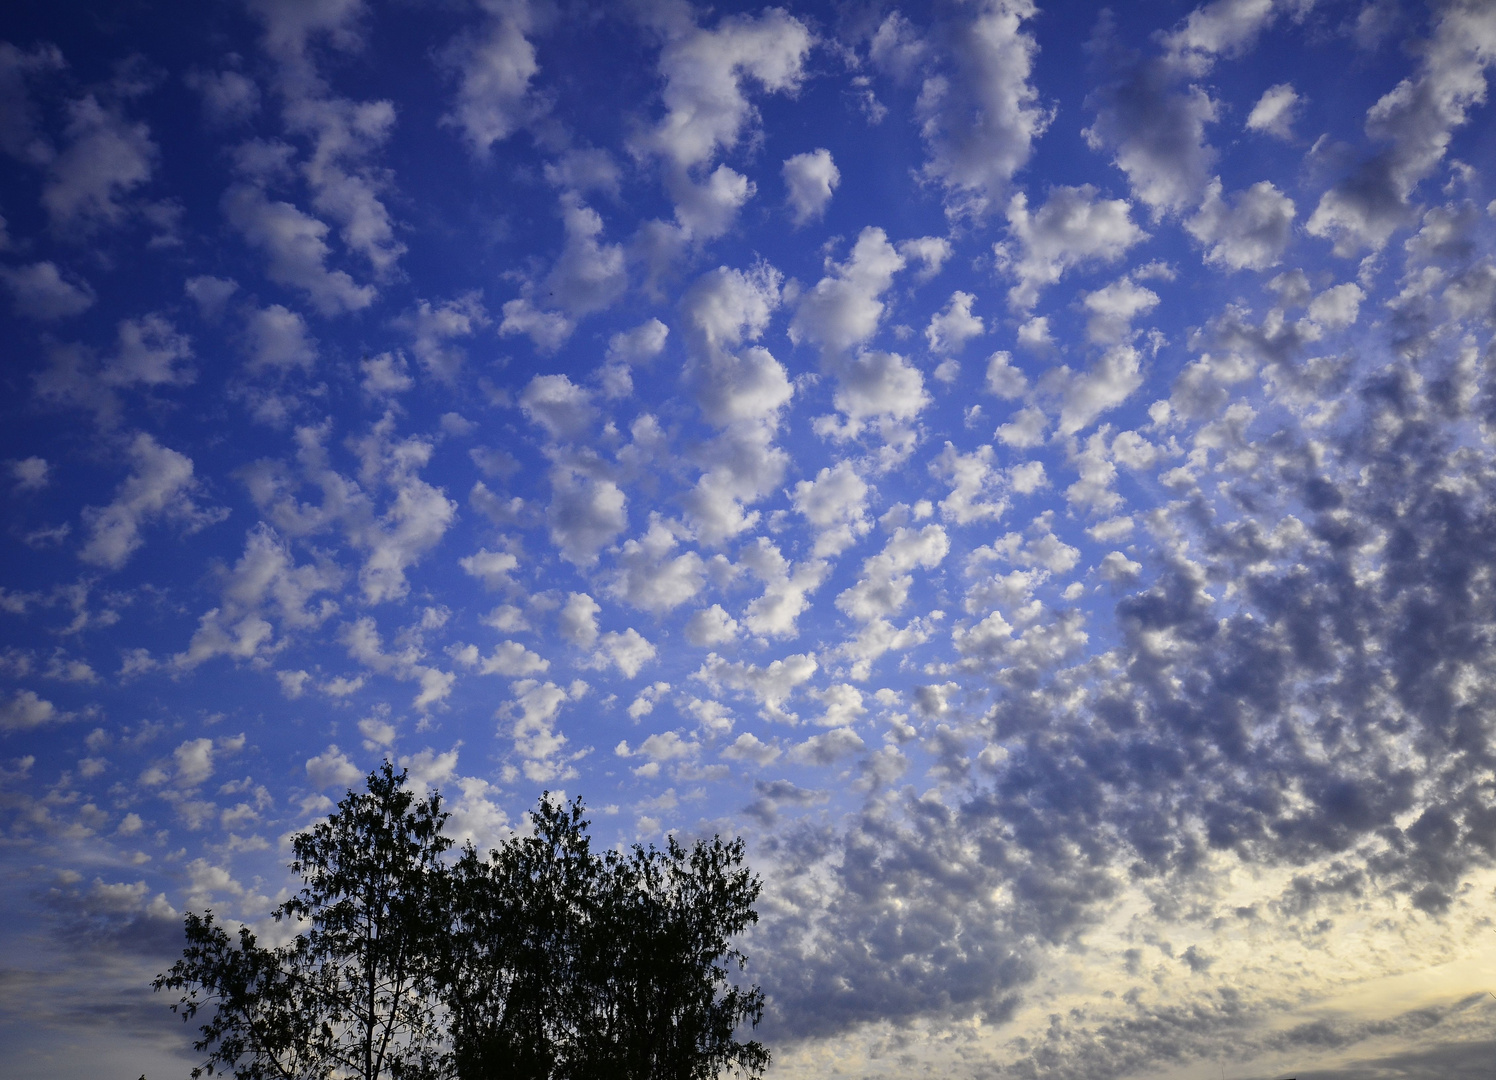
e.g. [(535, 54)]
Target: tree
[(540, 961), (660, 965), (351, 994)]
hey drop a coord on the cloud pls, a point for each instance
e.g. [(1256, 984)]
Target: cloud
[(1415, 121), (296, 249), (160, 485), (106, 158), (1275, 112), (951, 329), (495, 69), (1154, 130), (332, 769), (1246, 232), (980, 116), (1073, 228), (26, 711), (809, 180), (39, 291), (434, 326), (277, 339)]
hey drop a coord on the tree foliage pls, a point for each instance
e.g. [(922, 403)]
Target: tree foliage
[(542, 960)]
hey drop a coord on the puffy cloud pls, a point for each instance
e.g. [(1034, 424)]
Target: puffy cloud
[(980, 117), (578, 620), (843, 309), (229, 97), (705, 109), (1072, 228), (748, 747), (835, 504), (366, 645), (650, 577), (786, 589), (106, 158), (1416, 121), (1111, 309), (277, 339), (771, 685), (509, 659), (826, 748), (809, 180), (490, 567), (495, 69), (585, 514), (710, 627), (30, 474), (628, 651), (547, 329), (39, 291), (265, 580), (433, 328), (1337, 307), (160, 485), (1155, 131), (1247, 232), (558, 405), (1275, 112), (19, 137), (589, 276), (332, 769), (1108, 382), (533, 713), (26, 711), (883, 586), (295, 246), (951, 329)]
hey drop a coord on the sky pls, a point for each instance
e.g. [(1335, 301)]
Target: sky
[(1027, 469)]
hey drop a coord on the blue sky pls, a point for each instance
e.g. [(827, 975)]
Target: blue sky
[(1026, 469)]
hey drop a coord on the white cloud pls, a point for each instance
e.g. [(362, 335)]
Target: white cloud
[(705, 109), (1337, 308), (106, 158), (277, 339), (976, 485), (434, 326), (1073, 228), (490, 567), (843, 309), (589, 276), (1111, 309), (1415, 121), (160, 485), (786, 589), (809, 180), (951, 329), (653, 579), (25, 711), (557, 404), (584, 514), (385, 375), (547, 329), (332, 769), (835, 504), (229, 98), (628, 651), (1108, 382), (980, 120), (1275, 112), (711, 627), (296, 249), (771, 685), (1247, 231), (30, 474), (748, 747), (826, 748), (1155, 131), (39, 291), (884, 583), (495, 70), (578, 620)]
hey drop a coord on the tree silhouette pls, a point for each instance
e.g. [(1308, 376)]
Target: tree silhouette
[(542, 960)]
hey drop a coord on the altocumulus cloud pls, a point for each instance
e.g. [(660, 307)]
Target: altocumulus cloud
[(1028, 471)]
